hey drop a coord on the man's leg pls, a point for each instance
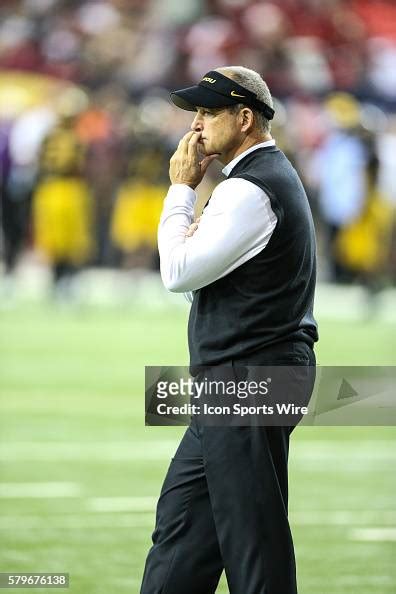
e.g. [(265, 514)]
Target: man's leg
[(246, 470), (185, 556)]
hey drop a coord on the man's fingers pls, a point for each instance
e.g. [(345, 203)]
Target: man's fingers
[(183, 143), (192, 146), (207, 161), (184, 139), (185, 164), (193, 141)]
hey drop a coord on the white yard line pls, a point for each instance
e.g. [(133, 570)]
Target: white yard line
[(122, 504), (143, 505), (304, 517), (39, 490), (344, 582), (301, 452), (380, 534), (75, 521), (342, 517), (104, 451), (140, 512)]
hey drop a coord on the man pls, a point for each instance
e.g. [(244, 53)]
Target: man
[(250, 265)]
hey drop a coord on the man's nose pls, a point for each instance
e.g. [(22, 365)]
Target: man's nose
[(196, 125)]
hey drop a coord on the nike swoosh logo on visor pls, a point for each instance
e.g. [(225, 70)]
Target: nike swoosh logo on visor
[(233, 94)]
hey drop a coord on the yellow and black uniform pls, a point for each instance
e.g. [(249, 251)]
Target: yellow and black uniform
[(62, 204), (364, 245), (136, 215)]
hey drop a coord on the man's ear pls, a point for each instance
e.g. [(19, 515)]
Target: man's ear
[(247, 119)]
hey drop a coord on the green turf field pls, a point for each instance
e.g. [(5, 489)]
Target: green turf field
[(80, 473)]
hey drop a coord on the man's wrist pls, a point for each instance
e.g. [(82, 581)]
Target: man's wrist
[(184, 183), (181, 194)]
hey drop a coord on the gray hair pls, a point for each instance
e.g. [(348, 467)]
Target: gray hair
[(252, 81)]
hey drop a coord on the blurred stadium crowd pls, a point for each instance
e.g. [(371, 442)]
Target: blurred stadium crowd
[(86, 127)]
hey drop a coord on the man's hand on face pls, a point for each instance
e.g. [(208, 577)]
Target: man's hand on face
[(186, 165)]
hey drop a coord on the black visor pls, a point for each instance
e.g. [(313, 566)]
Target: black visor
[(217, 90)]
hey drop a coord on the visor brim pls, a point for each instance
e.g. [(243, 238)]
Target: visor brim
[(193, 97)]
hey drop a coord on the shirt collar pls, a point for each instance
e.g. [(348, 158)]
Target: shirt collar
[(228, 168)]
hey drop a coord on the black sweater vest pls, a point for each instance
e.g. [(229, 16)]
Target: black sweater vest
[(268, 299)]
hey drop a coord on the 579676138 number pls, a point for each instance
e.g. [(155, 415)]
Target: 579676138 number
[(34, 580)]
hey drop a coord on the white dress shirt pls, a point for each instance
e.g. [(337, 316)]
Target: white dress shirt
[(235, 226)]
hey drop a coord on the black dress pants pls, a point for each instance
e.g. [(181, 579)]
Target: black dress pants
[(223, 505)]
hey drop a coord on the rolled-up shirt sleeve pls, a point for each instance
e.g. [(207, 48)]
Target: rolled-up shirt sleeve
[(235, 226)]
